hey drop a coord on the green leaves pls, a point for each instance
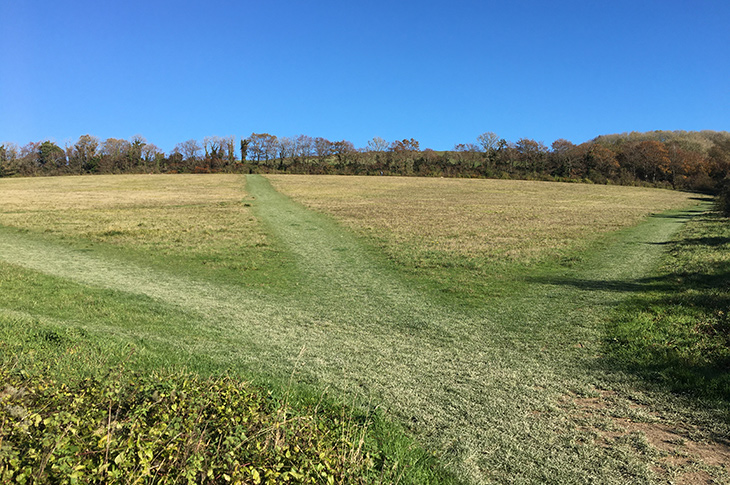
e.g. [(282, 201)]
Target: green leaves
[(182, 428)]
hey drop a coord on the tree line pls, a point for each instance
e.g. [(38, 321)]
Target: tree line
[(678, 159)]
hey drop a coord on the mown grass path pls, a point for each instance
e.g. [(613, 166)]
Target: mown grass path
[(481, 386)]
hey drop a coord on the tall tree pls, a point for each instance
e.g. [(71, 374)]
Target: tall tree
[(230, 147), (531, 153), (85, 154), (488, 141), (51, 158), (322, 148), (262, 147), (152, 157), (565, 158), (134, 158), (719, 156), (214, 147), (8, 159), (343, 151), (304, 149), (402, 155), (190, 150), (377, 145), (286, 148), (647, 160), (114, 153), (601, 163), (405, 145), (244, 149)]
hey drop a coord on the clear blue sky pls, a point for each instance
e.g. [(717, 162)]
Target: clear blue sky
[(441, 72)]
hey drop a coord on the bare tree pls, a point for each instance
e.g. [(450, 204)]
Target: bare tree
[(152, 156), (113, 154), (377, 144), (304, 147), (286, 147), (322, 147), (212, 146), (262, 146), (488, 141), (190, 150)]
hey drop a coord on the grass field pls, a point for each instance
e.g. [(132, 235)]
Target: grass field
[(490, 219), (474, 314), (468, 233)]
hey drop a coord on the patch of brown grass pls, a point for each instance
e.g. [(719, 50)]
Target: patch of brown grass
[(496, 219)]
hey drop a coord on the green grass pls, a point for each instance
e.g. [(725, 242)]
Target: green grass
[(181, 224), (77, 351), (676, 331), (491, 371)]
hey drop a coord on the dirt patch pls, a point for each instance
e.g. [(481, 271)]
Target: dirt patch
[(680, 452), (694, 478)]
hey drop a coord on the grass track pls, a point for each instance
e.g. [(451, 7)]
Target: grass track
[(484, 386)]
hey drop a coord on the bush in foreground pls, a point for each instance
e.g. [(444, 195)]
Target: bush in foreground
[(171, 429)]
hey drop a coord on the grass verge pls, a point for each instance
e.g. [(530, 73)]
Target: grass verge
[(675, 331)]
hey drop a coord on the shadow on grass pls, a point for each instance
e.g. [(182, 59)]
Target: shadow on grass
[(673, 330), (712, 241), (667, 284), (693, 213)]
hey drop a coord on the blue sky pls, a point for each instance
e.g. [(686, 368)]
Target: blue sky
[(439, 72)]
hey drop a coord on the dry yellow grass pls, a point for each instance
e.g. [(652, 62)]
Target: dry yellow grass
[(421, 219), (496, 219), (103, 191), (188, 215)]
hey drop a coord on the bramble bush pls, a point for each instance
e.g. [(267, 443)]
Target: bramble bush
[(171, 429)]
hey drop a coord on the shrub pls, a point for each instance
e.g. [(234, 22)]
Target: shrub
[(169, 429)]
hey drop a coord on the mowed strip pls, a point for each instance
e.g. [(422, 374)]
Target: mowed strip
[(479, 386), (474, 383)]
